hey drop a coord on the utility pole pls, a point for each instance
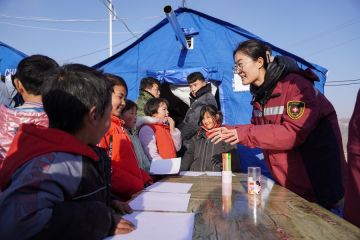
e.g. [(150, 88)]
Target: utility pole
[(183, 3), (110, 26)]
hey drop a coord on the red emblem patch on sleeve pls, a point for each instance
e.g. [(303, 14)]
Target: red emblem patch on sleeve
[(295, 109)]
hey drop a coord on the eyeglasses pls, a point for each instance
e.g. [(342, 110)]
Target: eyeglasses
[(238, 67)]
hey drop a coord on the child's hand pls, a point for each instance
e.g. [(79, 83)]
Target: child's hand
[(121, 207), (171, 123), (122, 226)]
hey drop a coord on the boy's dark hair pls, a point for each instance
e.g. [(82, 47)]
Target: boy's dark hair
[(152, 105), (212, 110), (33, 71), (148, 82), (129, 105), (116, 81), (73, 90), (195, 76)]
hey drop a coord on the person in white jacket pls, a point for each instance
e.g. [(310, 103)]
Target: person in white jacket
[(157, 133)]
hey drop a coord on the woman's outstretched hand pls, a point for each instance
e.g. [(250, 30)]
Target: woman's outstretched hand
[(224, 134)]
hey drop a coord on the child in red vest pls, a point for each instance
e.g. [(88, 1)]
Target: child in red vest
[(127, 177), (157, 133)]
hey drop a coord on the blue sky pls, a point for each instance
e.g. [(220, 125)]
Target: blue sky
[(321, 31)]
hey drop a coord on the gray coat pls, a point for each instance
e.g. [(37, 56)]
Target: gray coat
[(204, 155), (190, 123), (58, 196)]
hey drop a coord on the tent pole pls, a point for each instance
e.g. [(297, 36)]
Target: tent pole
[(171, 17)]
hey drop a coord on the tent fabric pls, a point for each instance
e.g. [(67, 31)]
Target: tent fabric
[(158, 53), (9, 59), (178, 76)]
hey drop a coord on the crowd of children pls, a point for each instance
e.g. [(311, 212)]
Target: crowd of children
[(56, 176), (78, 149)]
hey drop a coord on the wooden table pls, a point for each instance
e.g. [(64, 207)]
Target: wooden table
[(228, 212)]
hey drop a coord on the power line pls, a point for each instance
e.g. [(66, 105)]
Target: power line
[(61, 30), (99, 50), (333, 46), (344, 84), (42, 19), (329, 30), (353, 80), (116, 17)]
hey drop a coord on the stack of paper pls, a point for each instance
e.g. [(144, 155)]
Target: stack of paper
[(165, 166), (157, 201), (195, 174), (169, 187), (159, 226), (172, 200), (213, 174), (191, 173)]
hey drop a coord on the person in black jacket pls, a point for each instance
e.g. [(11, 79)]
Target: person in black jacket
[(56, 183), (200, 95), (202, 154)]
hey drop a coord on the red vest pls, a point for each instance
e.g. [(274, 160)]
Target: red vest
[(352, 181), (164, 141), (127, 177)]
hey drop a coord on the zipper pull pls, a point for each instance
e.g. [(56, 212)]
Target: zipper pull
[(110, 146)]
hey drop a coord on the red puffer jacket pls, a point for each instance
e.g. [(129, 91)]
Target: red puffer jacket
[(10, 121), (352, 186), (127, 177), (298, 131)]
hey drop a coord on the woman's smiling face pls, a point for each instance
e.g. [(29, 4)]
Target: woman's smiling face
[(248, 69)]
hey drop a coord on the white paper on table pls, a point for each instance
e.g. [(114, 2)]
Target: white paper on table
[(191, 173), (169, 187), (159, 226), (165, 166), (215, 174), (157, 201)]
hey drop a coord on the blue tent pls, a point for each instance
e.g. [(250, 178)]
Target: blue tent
[(158, 53), (9, 59)]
